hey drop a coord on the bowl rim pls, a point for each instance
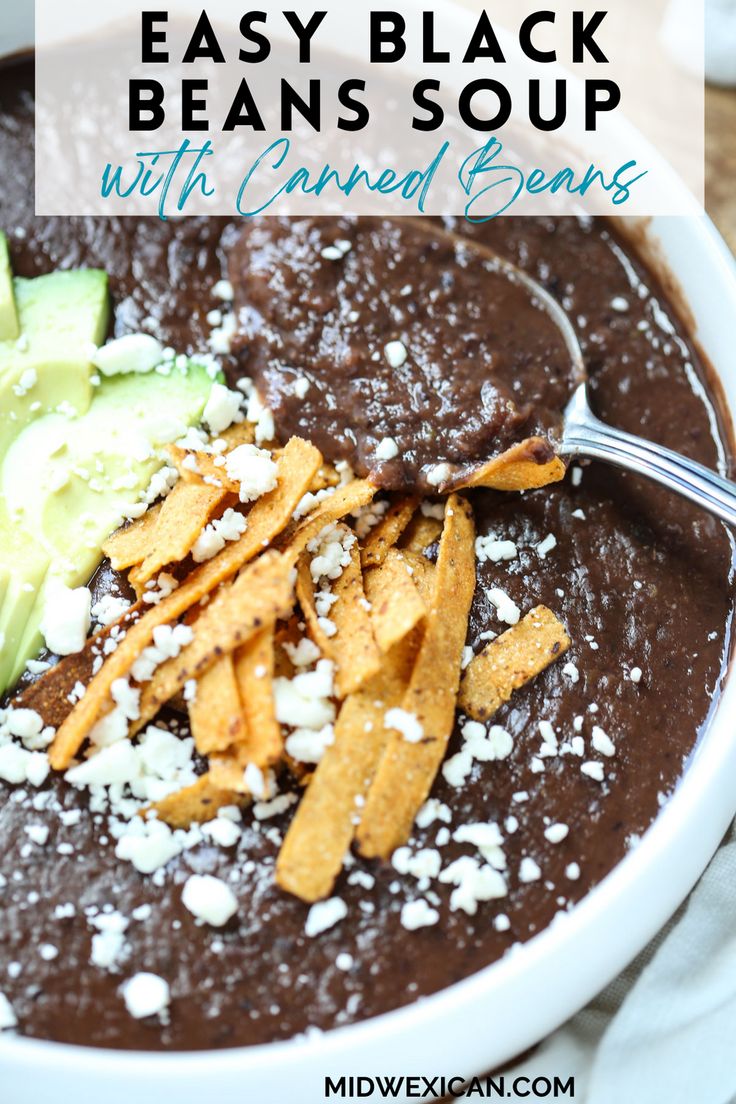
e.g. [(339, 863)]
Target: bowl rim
[(608, 907)]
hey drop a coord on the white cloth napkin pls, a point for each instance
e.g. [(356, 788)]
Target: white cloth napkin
[(664, 1032)]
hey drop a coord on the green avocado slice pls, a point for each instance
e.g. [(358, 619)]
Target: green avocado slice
[(65, 484), (63, 317), (9, 326)]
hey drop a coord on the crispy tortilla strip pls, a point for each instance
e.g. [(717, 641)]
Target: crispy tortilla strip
[(306, 598), (327, 476), (357, 655), (407, 770), (227, 771), (262, 592), (196, 804), (421, 532), (49, 695), (345, 500), (184, 513), (422, 573), (201, 469), (396, 605), (321, 831), (268, 516), (352, 647), (131, 544), (521, 468), (196, 466), (384, 536), (510, 661), (262, 741), (215, 713)]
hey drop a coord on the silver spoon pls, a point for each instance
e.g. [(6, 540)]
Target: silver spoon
[(584, 435)]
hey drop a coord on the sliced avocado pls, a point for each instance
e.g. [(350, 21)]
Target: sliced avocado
[(68, 481), (24, 566), (9, 326), (62, 316)]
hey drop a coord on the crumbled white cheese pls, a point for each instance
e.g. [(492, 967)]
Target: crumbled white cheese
[(529, 870), (602, 742), (474, 882), (556, 833), (260, 783), (253, 469), (214, 536), (145, 995), (571, 671), (222, 830), (223, 289), (418, 914), (493, 549), (304, 701), (406, 723), (424, 863), (330, 551), (438, 474), (387, 449), (546, 546), (66, 619), (433, 809), (395, 353), (18, 765), (109, 608), (108, 943), (209, 899), (222, 408), (259, 414), (137, 352), (593, 770), (308, 745), (302, 654), (506, 608), (635, 674), (324, 915)]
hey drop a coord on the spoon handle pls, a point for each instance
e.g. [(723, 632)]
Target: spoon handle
[(586, 436)]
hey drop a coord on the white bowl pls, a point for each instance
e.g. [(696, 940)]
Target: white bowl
[(507, 1007)]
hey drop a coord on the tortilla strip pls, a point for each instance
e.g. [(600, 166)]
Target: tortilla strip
[(345, 500), (215, 712), (352, 647), (227, 770), (184, 513), (261, 594), (510, 661), (407, 770), (262, 740), (305, 597), (421, 532), (522, 467), (195, 804), (327, 476), (385, 535), (268, 516), (131, 544), (49, 695), (422, 573), (396, 605), (321, 831), (207, 473)]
